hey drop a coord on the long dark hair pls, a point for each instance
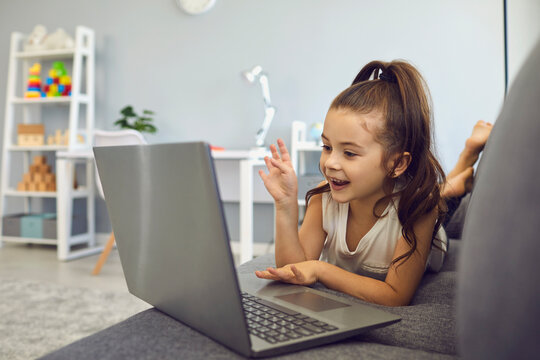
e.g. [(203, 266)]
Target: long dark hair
[(398, 90)]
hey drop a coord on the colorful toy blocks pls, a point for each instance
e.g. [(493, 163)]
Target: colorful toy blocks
[(58, 83), (33, 89)]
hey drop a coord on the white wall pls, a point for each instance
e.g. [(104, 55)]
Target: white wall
[(187, 68)]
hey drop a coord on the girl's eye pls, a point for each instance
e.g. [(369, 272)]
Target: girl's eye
[(349, 154), (326, 148)]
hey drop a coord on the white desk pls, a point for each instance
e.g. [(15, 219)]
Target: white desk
[(248, 160)]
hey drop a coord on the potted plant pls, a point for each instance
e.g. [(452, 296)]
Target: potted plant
[(130, 120)]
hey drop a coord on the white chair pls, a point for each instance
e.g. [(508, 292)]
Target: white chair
[(112, 138)]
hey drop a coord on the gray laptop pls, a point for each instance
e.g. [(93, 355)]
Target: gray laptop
[(172, 238)]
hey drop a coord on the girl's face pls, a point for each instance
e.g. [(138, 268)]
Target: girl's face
[(351, 159)]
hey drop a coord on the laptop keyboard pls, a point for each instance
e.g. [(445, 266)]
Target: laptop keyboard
[(274, 323)]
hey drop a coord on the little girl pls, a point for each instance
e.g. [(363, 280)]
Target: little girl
[(374, 225)]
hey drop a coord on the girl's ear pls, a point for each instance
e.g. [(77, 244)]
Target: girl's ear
[(404, 161)]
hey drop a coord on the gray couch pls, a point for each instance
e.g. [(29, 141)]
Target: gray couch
[(484, 304)]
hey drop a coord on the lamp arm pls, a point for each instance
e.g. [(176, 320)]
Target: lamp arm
[(263, 80), (269, 113)]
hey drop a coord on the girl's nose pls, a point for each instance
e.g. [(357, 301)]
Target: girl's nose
[(332, 162)]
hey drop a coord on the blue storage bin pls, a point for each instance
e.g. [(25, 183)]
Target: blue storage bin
[(32, 225)]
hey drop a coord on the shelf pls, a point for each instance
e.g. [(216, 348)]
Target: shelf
[(79, 193), (49, 100), (47, 54), (37, 148), (23, 240), (78, 112)]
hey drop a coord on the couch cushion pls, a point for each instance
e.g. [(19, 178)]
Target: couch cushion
[(499, 292), (154, 335)]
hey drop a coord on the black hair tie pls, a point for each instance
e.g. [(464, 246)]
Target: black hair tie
[(388, 76)]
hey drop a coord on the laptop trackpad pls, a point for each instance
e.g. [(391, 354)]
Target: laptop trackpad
[(312, 301)]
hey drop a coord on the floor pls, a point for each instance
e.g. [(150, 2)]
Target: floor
[(39, 262)]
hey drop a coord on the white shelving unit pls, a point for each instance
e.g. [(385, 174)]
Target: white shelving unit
[(81, 59), (299, 147)]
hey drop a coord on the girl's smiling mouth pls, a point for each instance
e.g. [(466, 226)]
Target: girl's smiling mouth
[(337, 184)]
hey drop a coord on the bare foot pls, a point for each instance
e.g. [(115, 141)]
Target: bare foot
[(459, 184), (476, 142), (473, 147)]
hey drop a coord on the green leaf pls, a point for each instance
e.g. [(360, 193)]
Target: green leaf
[(128, 111), (141, 123), (150, 128), (122, 123)]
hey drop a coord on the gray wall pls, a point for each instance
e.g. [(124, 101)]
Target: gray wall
[(187, 68)]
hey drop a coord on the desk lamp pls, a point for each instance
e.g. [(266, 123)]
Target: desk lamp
[(257, 74)]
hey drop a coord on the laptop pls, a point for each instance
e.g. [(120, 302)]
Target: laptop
[(168, 220)]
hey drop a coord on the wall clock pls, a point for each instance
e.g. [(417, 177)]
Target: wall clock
[(195, 7)]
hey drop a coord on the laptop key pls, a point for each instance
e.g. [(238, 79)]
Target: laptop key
[(319, 323), (281, 338), (294, 335), (313, 328), (276, 307), (303, 331)]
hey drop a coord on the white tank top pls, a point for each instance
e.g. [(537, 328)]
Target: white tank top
[(375, 250)]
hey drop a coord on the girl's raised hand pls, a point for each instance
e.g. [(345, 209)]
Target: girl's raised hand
[(281, 180)]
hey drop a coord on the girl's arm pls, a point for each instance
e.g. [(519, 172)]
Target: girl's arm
[(281, 183), (398, 288)]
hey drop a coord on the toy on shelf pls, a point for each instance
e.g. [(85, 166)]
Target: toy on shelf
[(39, 177), (62, 139), (315, 132), (58, 83), (58, 40), (33, 89), (39, 40), (35, 40), (30, 134)]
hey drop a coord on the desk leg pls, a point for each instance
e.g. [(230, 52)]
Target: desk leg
[(246, 210)]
